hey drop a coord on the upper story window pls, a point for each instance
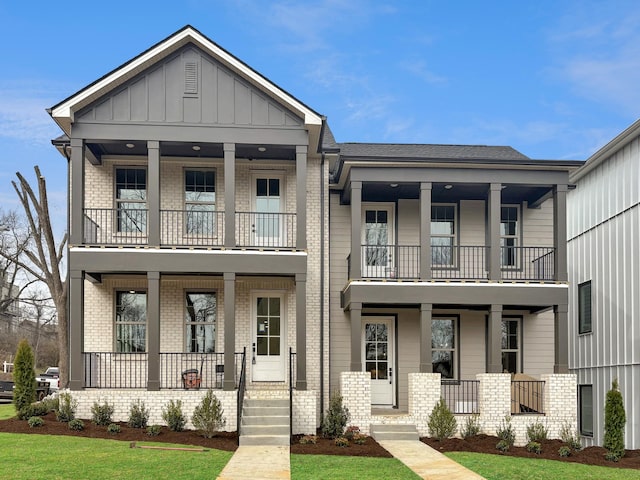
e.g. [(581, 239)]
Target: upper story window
[(131, 321), (443, 234), (131, 200), (200, 202), (584, 307), (200, 320), (509, 235), (443, 346)]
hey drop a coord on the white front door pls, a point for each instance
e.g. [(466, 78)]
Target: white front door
[(379, 358), (269, 334), (377, 240), (268, 221)]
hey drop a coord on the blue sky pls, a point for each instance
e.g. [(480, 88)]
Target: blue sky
[(553, 79)]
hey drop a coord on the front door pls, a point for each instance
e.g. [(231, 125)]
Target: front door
[(267, 352), (377, 240), (378, 358), (268, 221)]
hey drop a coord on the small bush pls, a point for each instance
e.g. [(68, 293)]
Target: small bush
[(24, 377), (442, 423), (101, 414), (154, 430), (113, 428), (360, 439), (173, 416), (503, 446), (138, 415), (341, 442), (26, 412), (335, 421), (612, 456), (35, 422), (76, 424), (471, 426), (564, 451), (51, 403), (570, 437), (351, 431), (309, 440), (537, 432), (67, 406), (506, 431), (614, 420), (208, 416), (534, 447)]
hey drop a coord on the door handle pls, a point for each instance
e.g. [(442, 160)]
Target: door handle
[(390, 375), (253, 356)]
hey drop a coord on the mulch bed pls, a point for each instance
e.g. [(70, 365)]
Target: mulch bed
[(326, 446)]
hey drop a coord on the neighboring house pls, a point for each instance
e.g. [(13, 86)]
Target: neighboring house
[(9, 305), (604, 276), (216, 225)]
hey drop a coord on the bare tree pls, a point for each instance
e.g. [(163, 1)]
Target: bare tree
[(35, 252)]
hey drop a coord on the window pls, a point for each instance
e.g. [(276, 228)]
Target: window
[(586, 410), (510, 345), (131, 200), (509, 233), (131, 321), (584, 307), (443, 235), (200, 319), (443, 346), (200, 202)]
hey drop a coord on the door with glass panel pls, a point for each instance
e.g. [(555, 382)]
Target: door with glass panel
[(268, 226), (379, 358), (269, 337), (378, 240)]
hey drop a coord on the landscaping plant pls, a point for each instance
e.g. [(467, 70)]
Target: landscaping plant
[(24, 377), (471, 426), (537, 432), (154, 430), (35, 422), (442, 423), (208, 416), (506, 434), (101, 414), (614, 420), (570, 436), (113, 428), (76, 424), (67, 406), (173, 416), (335, 421), (534, 447), (138, 415)]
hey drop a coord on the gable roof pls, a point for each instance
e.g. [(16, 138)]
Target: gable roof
[(63, 112), (430, 151)]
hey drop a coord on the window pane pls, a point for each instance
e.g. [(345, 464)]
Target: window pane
[(509, 334), (200, 186), (382, 371), (130, 338), (370, 351), (586, 410), (132, 217), (131, 184), (584, 307), (262, 346), (200, 220), (274, 326), (131, 307), (509, 362), (274, 346), (371, 367), (261, 187), (274, 187), (201, 338), (442, 334), (201, 307), (263, 306), (274, 306), (442, 363)]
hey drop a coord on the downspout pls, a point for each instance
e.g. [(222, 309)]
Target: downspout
[(322, 290)]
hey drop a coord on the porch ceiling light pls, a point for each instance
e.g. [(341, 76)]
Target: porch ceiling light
[(393, 185), (129, 145), (196, 148), (262, 149), (448, 186)]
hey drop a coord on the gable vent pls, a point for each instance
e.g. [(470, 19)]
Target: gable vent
[(190, 77)]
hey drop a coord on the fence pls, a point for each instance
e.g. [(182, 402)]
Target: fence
[(461, 396)]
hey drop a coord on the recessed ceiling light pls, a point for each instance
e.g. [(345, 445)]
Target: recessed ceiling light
[(393, 185), (196, 148), (503, 187), (448, 186), (262, 149), (129, 145)]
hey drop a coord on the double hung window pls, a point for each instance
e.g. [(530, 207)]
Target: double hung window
[(510, 345), (509, 233), (131, 321), (443, 346), (443, 235), (131, 200), (200, 321), (200, 202)]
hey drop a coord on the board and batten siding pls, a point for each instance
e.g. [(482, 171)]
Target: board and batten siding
[(604, 248)]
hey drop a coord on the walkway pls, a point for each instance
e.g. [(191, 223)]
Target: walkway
[(258, 462)]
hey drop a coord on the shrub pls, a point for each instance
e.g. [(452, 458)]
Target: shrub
[(101, 414), (309, 440), (360, 439), (208, 416), (614, 420), (24, 377), (26, 412), (471, 426), (52, 403), (138, 415), (39, 409), (534, 447), (335, 421), (154, 430), (442, 423), (341, 442), (35, 422), (564, 451), (173, 416), (66, 407), (76, 424), (537, 432), (503, 446), (506, 431), (113, 428), (351, 431), (570, 436)]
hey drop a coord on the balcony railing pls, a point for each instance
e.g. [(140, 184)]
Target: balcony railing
[(177, 370), (192, 227), (459, 262), (527, 396), (391, 261), (527, 263), (461, 396), (270, 230), (115, 226)]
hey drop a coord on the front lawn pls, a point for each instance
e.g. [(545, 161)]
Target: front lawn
[(7, 410), (330, 467)]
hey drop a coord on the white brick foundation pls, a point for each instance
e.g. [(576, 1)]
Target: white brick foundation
[(304, 412)]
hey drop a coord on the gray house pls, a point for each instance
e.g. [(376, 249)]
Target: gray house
[(604, 279)]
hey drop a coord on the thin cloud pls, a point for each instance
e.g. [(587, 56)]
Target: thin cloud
[(23, 116), (419, 69)]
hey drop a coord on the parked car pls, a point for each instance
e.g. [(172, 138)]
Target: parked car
[(51, 376)]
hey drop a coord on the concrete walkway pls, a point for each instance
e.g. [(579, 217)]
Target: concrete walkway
[(258, 462), (427, 462)]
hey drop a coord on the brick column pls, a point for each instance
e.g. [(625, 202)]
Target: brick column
[(424, 392), (355, 388), (560, 404), (494, 399)]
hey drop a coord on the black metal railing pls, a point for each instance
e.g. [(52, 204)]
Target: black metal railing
[(270, 230), (390, 261), (527, 263), (192, 228), (115, 226), (115, 370), (454, 262), (242, 385), (527, 396), (461, 396), (191, 370), (292, 380)]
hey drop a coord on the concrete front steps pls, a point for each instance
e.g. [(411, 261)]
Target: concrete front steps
[(390, 431), (265, 421)]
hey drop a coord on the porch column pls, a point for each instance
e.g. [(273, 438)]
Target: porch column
[(301, 197), (76, 330), (356, 231), (229, 195), (153, 330), (560, 232), (426, 357), (494, 343), (153, 194), (301, 331), (356, 337), (561, 339), (425, 237), (77, 187), (493, 231), (229, 382)]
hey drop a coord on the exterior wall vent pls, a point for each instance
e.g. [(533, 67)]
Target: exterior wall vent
[(191, 77)]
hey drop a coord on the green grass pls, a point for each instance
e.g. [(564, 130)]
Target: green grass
[(62, 457), (496, 467), (330, 467), (7, 410)]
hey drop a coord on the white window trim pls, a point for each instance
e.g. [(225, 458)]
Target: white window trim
[(186, 202), (453, 236)]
